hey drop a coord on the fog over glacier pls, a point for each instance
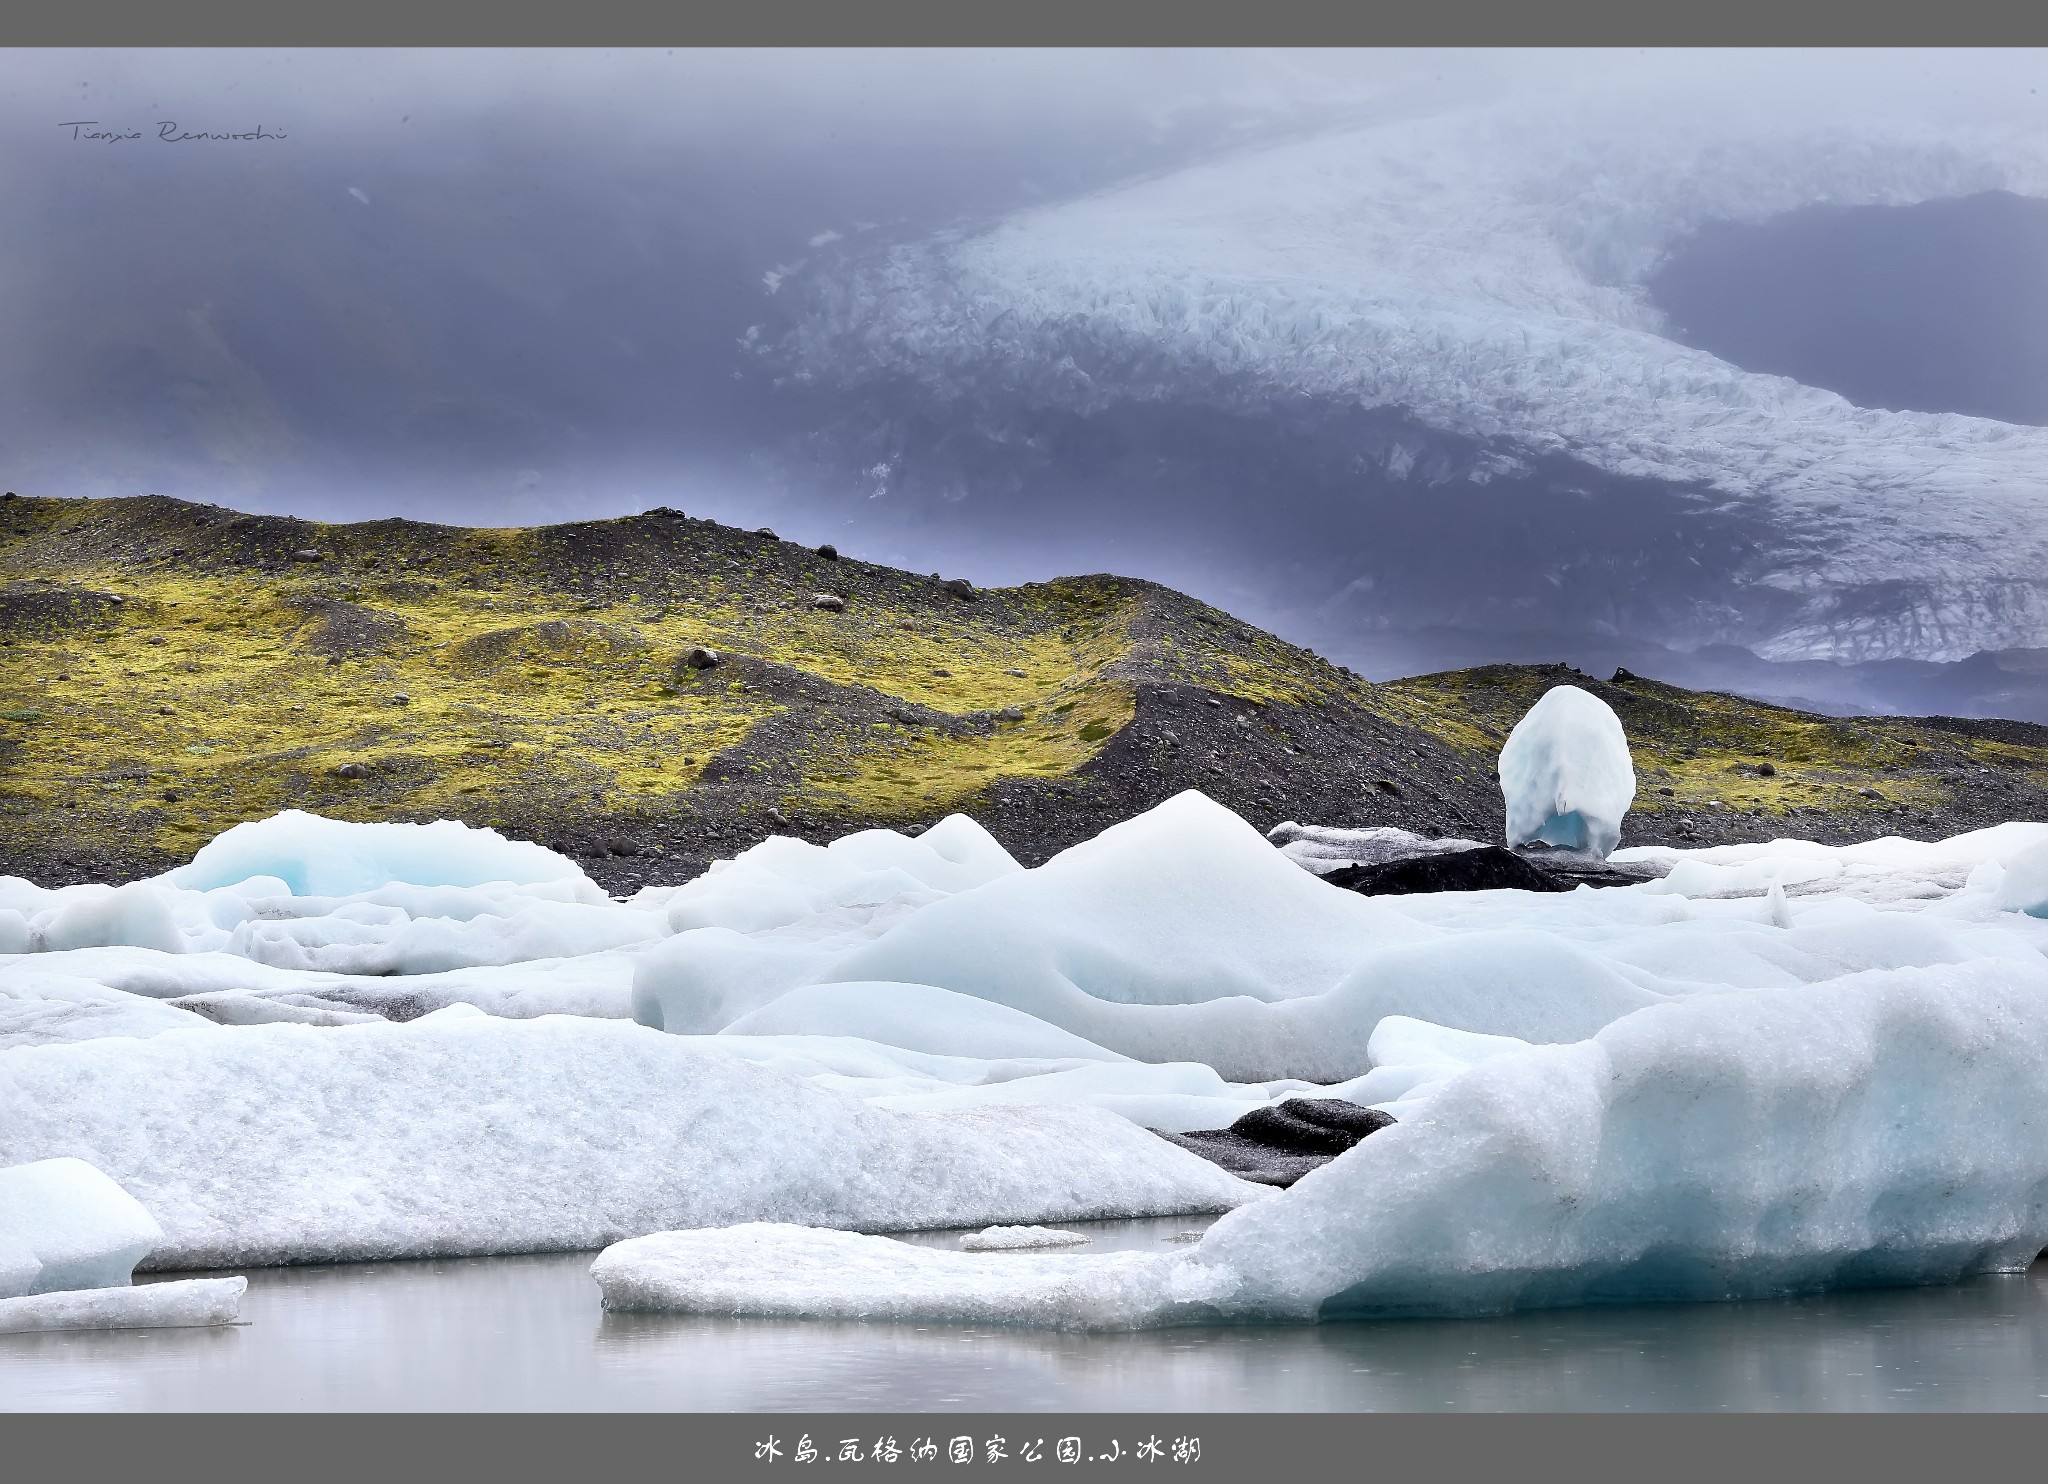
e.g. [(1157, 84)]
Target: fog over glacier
[(1419, 358)]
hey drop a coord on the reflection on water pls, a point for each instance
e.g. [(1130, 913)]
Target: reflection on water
[(527, 1333)]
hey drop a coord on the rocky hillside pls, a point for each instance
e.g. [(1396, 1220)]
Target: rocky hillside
[(653, 692)]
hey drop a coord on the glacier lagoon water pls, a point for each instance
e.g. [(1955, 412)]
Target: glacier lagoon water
[(527, 1333)]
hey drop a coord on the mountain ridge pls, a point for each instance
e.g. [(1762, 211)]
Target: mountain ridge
[(168, 669)]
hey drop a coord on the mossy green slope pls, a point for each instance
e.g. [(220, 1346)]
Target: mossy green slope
[(168, 669)]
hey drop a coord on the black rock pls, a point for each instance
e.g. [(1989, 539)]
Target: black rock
[(829, 552), (960, 588), (1311, 1125), (1278, 1145), (1489, 868)]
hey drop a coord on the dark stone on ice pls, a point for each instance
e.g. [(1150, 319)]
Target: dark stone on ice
[(1278, 1145), (1311, 1125), (1489, 868)]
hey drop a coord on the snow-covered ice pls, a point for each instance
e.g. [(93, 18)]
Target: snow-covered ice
[(1885, 1129), (318, 857), (1021, 1239), (65, 1225), (1566, 773), (281, 1143), (1322, 848), (181, 1303), (2023, 882)]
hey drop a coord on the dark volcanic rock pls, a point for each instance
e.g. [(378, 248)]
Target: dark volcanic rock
[(1311, 1125), (1280, 1144), (1489, 868)]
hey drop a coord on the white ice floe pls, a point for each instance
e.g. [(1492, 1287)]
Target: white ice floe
[(1322, 848), (276, 1143), (2023, 882), (1021, 1239), (968, 1042), (1164, 938), (783, 880), (318, 857), (181, 1303), (65, 1225), (1566, 773), (1886, 1128), (915, 1017), (325, 896)]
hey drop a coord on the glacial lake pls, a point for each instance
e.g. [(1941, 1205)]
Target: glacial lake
[(527, 1333)]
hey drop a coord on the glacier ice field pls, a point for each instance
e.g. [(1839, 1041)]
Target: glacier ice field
[(1771, 1068), (1482, 266)]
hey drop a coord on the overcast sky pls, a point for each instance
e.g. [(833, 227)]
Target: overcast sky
[(499, 286)]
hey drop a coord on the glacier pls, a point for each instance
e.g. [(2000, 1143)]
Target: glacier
[(1479, 267)]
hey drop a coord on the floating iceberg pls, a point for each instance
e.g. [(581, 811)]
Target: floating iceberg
[(1748, 1073), (1167, 938), (1884, 1129), (1322, 848), (66, 1225), (915, 1017), (1020, 1239), (1566, 773), (2023, 884), (316, 856), (783, 880), (177, 1304), (293, 1143)]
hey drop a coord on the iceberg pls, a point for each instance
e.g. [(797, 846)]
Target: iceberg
[(187, 1302), (1885, 1129), (475, 1134), (1020, 1239), (1749, 1072), (1566, 774), (916, 1017), (316, 856), (2023, 884), (65, 1225)]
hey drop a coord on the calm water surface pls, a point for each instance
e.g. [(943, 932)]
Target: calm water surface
[(483, 1334)]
